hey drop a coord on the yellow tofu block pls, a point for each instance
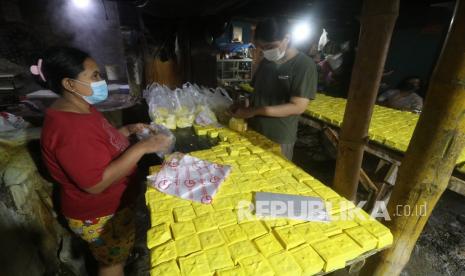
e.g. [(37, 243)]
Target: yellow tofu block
[(255, 150), (219, 258), (158, 235), (262, 168), (213, 133), (195, 265), (310, 232), (301, 177), (330, 252), (188, 245), (325, 193), (182, 229), (157, 218), (381, 232), (248, 169), (236, 271), (204, 223), (201, 209), (288, 236), (272, 223), (224, 217), (241, 250), (307, 258), (284, 264), (222, 203), (184, 213), (211, 239), (344, 223), (200, 131), (254, 229), (163, 253), (162, 205), (179, 202), (227, 190), (256, 265), (362, 237), (233, 233), (314, 184), (232, 151), (360, 216), (338, 204), (244, 152), (268, 244), (329, 228), (350, 248), (166, 268)]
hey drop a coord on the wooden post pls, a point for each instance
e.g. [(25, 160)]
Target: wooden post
[(377, 23), (430, 159)]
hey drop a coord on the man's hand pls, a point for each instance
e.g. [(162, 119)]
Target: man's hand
[(244, 112)]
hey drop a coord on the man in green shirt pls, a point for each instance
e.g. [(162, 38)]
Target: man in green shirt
[(284, 83)]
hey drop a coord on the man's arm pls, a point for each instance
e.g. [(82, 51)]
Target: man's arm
[(296, 106)]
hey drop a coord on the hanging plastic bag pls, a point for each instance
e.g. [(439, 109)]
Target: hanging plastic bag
[(155, 129), (190, 178)]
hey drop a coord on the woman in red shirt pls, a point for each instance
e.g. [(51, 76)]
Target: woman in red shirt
[(90, 159)]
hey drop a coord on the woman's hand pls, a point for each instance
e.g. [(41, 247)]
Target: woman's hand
[(156, 143), (132, 129)]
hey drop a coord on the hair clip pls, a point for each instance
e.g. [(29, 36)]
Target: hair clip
[(37, 69)]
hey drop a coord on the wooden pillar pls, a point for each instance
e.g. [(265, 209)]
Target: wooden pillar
[(377, 23), (430, 159)]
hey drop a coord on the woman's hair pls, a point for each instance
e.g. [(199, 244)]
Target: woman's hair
[(62, 62), (272, 29)]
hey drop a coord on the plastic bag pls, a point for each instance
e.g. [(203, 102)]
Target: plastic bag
[(155, 129), (203, 114), (190, 178), (185, 108), (9, 121), (162, 105), (220, 102)]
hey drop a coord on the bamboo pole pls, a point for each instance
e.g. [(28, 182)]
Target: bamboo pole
[(430, 159), (377, 23)]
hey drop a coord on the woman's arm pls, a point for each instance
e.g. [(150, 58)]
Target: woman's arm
[(124, 164), (132, 128)]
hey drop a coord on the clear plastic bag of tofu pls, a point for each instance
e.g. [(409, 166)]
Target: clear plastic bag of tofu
[(185, 108), (162, 105), (155, 129), (203, 114)]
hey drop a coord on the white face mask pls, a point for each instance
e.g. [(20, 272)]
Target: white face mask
[(274, 54)]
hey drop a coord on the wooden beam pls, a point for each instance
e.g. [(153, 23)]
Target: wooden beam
[(377, 23), (433, 151)]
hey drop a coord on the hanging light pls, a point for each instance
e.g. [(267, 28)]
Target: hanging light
[(82, 4), (301, 32)]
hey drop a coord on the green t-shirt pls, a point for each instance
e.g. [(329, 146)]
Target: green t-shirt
[(275, 84)]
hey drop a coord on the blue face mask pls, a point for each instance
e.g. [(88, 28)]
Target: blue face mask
[(99, 91)]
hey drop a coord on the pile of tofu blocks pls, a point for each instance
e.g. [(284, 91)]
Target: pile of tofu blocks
[(191, 238)]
